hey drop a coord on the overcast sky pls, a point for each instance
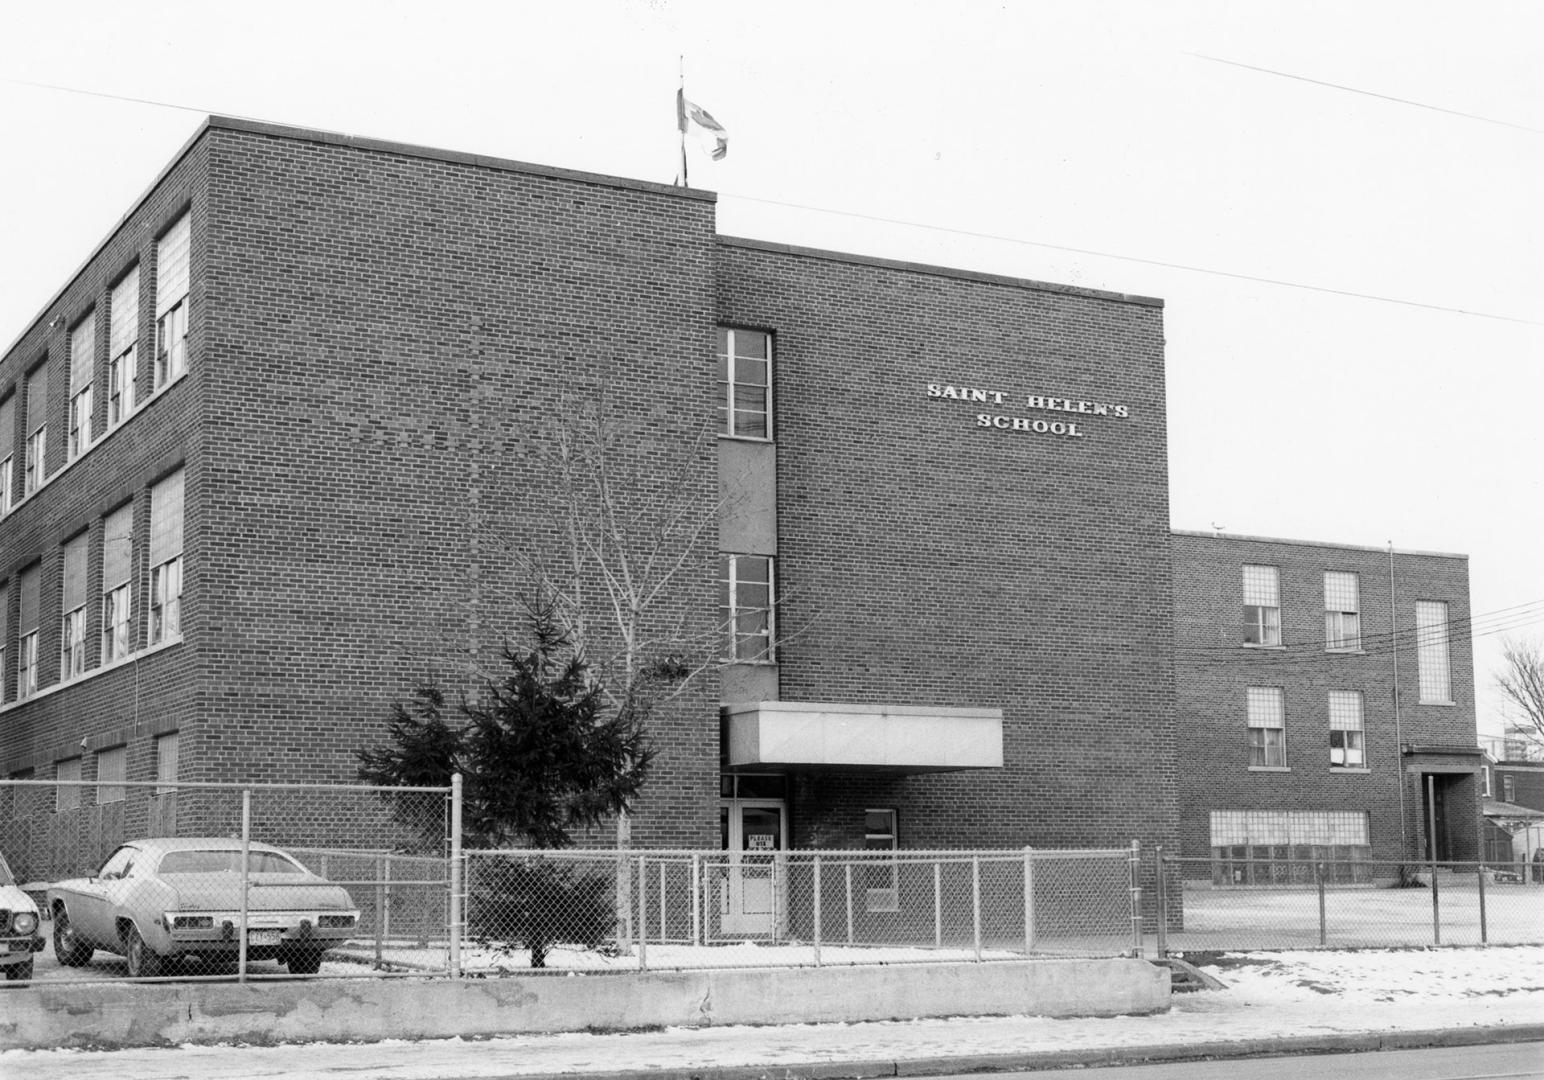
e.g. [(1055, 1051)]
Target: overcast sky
[(1390, 392)]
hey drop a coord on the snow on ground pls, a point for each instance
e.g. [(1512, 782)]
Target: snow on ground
[(1268, 995)]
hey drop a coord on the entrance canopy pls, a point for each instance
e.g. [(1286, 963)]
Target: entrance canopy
[(788, 735)]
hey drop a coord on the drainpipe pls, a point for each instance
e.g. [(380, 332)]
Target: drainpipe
[(1399, 738)]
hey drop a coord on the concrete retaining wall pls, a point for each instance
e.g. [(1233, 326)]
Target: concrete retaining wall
[(118, 1015)]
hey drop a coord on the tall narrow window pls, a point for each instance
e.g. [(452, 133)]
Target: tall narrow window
[(1431, 651), (165, 763), (1347, 746), (123, 337), (82, 380), (37, 430), (745, 382), (27, 627), (112, 771), (72, 626), (1262, 606), (67, 780), (7, 452), (117, 559), (1342, 611), (166, 559), (5, 634), (745, 606), (1267, 728), (171, 303)]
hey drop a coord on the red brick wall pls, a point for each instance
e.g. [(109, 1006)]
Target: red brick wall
[(926, 561), (1214, 669)]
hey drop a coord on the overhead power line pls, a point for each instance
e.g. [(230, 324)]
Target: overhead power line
[(1368, 93)]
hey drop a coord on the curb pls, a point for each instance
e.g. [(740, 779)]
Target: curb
[(1032, 1061)]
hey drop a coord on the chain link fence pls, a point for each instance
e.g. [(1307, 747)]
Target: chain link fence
[(186, 880), (1290, 903), (698, 909)]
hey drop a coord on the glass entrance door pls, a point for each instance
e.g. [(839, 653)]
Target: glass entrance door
[(750, 899)]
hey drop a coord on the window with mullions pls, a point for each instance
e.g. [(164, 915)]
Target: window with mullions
[(7, 457), (1434, 677), (37, 431), (123, 336), (1282, 847), (72, 628), (82, 380), (165, 616), (171, 303), (1342, 612), (1262, 606), (5, 634), (745, 606), (27, 625), (1267, 728), (117, 603), (1347, 738), (745, 383)]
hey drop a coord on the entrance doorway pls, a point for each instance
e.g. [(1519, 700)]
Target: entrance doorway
[(750, 891), (1434, 816)]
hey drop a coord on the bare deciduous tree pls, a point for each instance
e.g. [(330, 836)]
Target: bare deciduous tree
[(1521, 682)]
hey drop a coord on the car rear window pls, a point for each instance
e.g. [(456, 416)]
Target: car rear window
[(212, 862)]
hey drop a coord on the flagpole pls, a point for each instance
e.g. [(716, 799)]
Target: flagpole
[(681, 120)]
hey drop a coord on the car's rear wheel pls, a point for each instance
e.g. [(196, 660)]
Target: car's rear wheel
[(144, 962), (68, 946), (303, 961), (22, 970)]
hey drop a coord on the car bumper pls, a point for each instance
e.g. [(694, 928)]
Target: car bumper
[(16, 949), (186, 933)]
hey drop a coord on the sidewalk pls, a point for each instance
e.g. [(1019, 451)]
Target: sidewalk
[(1274, 1003)]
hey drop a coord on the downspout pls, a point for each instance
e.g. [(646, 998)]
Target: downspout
[(1399, 738)]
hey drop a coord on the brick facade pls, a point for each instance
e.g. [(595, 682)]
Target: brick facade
[(1214, 670)]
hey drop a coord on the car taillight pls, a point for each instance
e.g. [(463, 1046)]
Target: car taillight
[(335, 922), (192, 922)]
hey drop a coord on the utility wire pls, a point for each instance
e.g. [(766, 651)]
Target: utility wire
[(1367, 93)]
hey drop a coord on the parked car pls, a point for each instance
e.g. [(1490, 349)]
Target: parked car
[(19, 937), (156, 902)]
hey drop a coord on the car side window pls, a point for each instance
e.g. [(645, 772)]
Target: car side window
[(118, 864)]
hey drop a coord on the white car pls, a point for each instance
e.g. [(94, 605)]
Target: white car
[(19, 937), (156, 901)]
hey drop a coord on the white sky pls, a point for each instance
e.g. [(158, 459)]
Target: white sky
[(1094, 126)]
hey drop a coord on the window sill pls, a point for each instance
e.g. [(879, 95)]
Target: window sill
[(1270, 768), (723, 436), (1448, 704), (1362, 770), (1253, 645), (92, 673), (1345, 652)]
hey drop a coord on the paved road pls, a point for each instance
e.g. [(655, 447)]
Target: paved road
[(1513, 1061)]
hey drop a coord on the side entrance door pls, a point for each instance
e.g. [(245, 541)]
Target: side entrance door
[(750, 893)]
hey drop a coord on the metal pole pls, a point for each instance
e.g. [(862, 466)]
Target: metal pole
[(380, 909), (246, 883), (696, 899), (1318, 883), (1134, 872), (1431, 839), (1479, 872), (455, 876), (938, 904), (643, 917), (1029, 901), (1399, 737), (386, 902), (817, 910), (848, 868), (664, 925), (975, 903), (1163, 903)]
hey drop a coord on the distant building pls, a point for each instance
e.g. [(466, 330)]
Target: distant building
[(1326, 706)]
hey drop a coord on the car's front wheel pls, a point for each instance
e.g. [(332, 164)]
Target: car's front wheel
[(71, 950), (22, 970), (144, 962)]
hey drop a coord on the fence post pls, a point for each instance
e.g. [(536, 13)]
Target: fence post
[(817, 910), (1134, 873), (938, 903), (696, 898), (975, 903), (380, 908), (1163, 902), (643, 916), (246, 883), (848, 868), (1318, 884), (1479, 873), (456, 913), (1436, 906), (386, 906), (1029, 900), (664, 895)]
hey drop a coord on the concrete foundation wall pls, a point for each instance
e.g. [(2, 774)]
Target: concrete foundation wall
[(366, 1010)]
